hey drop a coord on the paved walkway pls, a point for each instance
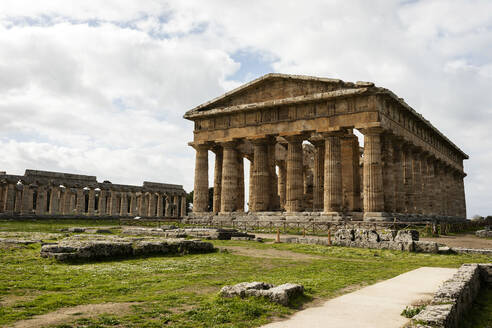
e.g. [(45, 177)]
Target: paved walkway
[(378, 305)]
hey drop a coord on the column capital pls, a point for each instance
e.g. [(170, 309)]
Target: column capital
[(295, 138), (228, 144), (200, 146), (372, 131)]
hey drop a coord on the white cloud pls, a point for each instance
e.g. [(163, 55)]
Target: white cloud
[(100, 87)]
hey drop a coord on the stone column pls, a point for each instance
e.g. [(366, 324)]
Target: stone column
[(399, 187), (229, 186), (2, 196), (133, 204), (54, 201), (333, 174), (240, 184), (113, 204), (183, 205), (461, 190), (388, 175), (274, 202), (124, 204), (217, 178), (168, 206), (18, 198), (200, 193), (319, 174), (10, 198), (251, 185), (261, 177), (26, 207), (438, 189), (373, 173), (282, 182), (294, 199), (152, 204), (91, 202), (159, 205), (430, 187), (349, 145), (176, 205), (79, 207), (417, 180), (408, 179), (145, 204), (102, 203), (41, 201)]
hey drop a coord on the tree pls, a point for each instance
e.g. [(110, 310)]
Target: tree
[(189, 200)]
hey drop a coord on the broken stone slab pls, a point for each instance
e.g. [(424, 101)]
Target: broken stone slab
[(366, 235), (281, 294), (205, 233), (72, 249), (426, 247), (407, 235), (18, 241), (87, 230), (486, 233)]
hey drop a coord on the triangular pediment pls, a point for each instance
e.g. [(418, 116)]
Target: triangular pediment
[(271, 87)]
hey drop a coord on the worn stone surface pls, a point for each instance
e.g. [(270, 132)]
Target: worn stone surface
[(486, 233), (426, 246), (281, 294), (206, 233), (407, 235), (100, 247)]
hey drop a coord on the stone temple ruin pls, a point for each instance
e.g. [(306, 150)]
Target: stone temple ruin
[(38, 193), (410, 170)]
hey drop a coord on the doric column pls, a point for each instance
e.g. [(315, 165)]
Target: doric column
[(388, 174), (373, 173), (261, 177), (319, 174), (408, 179), (217, 177), (168, 206), (240, 183), (229, 186), (159, 205), (145, 204), (133, 204), (438, 189), (10, 199), (26, 207), (41, 201), (79, 207), (18, 198), (333, 174), (274, 197), (152, 204), (461, 191), (113, 207), (176, 206), (417, 180), (140, 203), (430, 186), (91, 202), (399, 187), (200, 193), (294, 199), (102, 203), (282, 182), (183, 205), (2, 197), (55, 200), (124, 204), (349, 145)]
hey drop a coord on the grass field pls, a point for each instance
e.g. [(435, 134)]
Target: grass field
[(182, 291)]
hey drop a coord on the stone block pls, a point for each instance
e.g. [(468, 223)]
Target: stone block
[(407, 235), (426, 246), (387, 235), (281, 294), (344, 234)]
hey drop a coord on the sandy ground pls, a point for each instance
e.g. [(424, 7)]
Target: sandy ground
[(378, 305), (269, 253), (66, 315)]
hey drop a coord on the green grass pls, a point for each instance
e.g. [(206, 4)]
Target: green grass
[(182, 291), (480, 316)]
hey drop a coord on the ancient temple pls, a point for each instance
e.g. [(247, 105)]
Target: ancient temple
[(55, 194), (408, 169)]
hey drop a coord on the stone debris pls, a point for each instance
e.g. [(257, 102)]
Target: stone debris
[(281, 294), (18, 241), (205, 233), (455, 297), (486, 233), (87, 230), (100, 247)]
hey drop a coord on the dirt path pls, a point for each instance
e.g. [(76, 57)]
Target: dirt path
[(66, 315), (378, 305), (466, 240), (270, 253)]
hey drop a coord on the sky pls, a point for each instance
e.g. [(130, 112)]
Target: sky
[(100, 87)]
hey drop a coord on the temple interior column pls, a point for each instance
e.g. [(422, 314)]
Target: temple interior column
[(294, 199), (282, 182), (261, 177), (399, 187), (240, 183), (373, 173), (388, 174), (417, 181), (274, 197), (229, 186), (319, 174), (217, 178), (333, 174), (200, 194), (350, 154)]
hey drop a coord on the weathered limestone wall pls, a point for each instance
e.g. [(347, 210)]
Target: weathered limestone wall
[(43, 193)]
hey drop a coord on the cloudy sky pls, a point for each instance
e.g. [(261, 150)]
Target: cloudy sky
[(100, 87)]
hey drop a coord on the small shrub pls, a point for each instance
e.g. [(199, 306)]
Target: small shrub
[(412, 311)]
